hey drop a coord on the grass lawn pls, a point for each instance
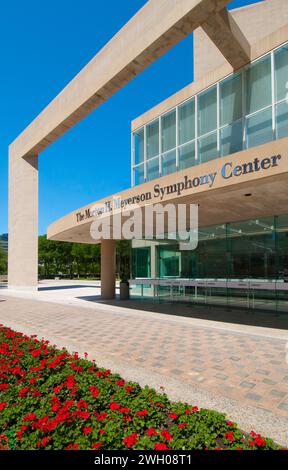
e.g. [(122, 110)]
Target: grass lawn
[(50, 399)]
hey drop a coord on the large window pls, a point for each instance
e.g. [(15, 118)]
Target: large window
[(141, 262), (187, 122), (207, 116), (168, 126), (258, 85), (254, 249), (246, 109), (231, 99), (281, 69), (152, 139), (139, 146)]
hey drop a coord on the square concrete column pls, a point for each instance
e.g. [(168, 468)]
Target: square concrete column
[(23, 222), (108, 269)]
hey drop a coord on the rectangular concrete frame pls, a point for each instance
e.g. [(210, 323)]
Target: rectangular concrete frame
[(158, 26)]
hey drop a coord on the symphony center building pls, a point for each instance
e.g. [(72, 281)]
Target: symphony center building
[(220, 143)]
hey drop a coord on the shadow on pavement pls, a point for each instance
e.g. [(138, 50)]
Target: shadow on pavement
[(70, 286), (214, 313)]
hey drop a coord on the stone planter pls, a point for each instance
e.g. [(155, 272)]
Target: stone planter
[(124, 291)]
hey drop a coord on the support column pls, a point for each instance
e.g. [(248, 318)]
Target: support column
[(108, 268), (23, 222)]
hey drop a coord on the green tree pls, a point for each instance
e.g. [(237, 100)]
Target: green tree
[(68, 259), (3, 261)]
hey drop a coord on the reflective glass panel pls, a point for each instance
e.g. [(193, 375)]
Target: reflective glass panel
[(169, 162), (259, 128), (152, 169), (168, 123), (139, 146), (232, 139), (207, 108), (281, 73), (187, 156), (282, 120), (187, 122), (152, 135), (141, 262), (139, 174), (207, 148), (231, 99), (258, 85)]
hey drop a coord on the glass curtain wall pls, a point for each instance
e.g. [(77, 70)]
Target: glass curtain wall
[(254, 250), (236, 251), (244, 110)]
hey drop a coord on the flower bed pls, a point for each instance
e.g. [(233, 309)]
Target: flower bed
[(50, 399)]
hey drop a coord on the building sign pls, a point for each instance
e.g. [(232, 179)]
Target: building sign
[(228, 171)]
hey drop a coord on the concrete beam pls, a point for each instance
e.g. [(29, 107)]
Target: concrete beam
[(223, 30), (23, 222), (158, 26), (108, 269)]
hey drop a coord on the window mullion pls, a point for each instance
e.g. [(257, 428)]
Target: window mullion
[(145, 153), (196, 128), (273, 94), (218, 119)]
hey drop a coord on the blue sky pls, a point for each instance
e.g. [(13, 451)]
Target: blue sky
[(43, 46)]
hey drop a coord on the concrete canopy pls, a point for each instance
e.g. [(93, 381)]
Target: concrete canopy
[(224, 201)]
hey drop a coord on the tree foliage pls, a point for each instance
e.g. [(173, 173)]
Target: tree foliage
[(76, 259), (3, 261)]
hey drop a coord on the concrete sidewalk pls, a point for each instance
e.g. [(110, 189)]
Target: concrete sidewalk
[(239, 369)]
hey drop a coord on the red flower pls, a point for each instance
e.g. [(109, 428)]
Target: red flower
[(131, 440), (120, 383), (166, 435), (114, 406), (58, 389), (44, 442), (161, 446), (182, 425), (125, 410), (129, 389), (87, 430), (230, 423), (36, 352), (2, 405), (151, 432), (229, 436), (260, 442), (173, 415), (82, 404), (70, 381), (142, 413), (19, 435), (101, 416), (55, 404), (96, 445), (72, 447), (23, 392), (194, 409), (30, 417), (251, 443), (102, 431), (81, 414), (94, 391)]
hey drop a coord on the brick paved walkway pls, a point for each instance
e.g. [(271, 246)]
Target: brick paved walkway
[(249, 368)]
